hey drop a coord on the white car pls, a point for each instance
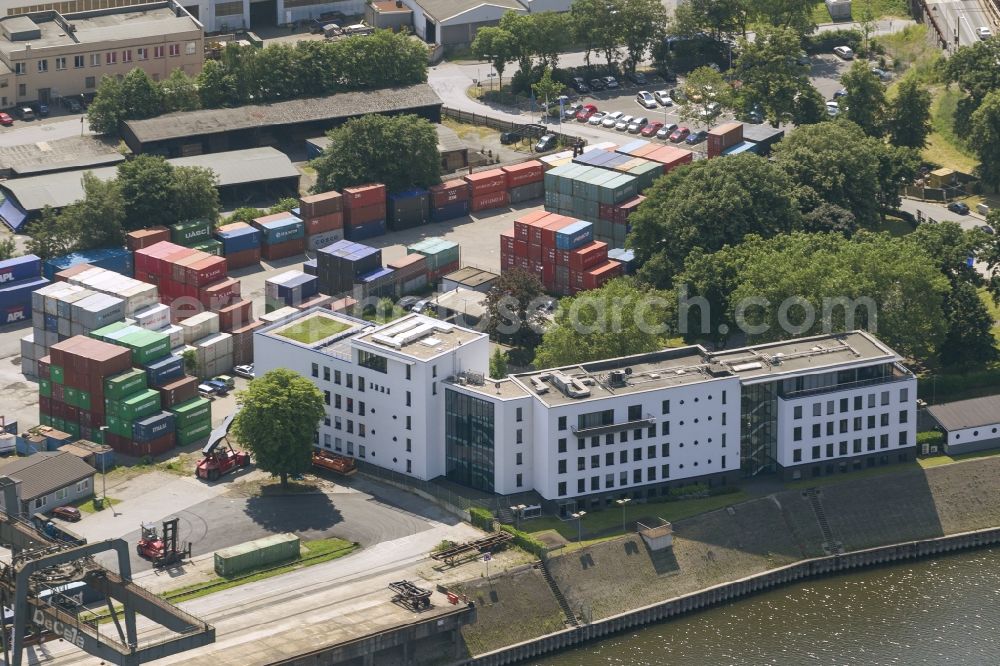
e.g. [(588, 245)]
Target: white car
[(245, 371), (612, 118), (843, 52), (663, 97), (983, 32), (597, 118), (623, 123), (832, 109), (637, 124), (646, 99), (710, 109), (664, 132)]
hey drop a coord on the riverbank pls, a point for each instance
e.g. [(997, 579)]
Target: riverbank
[(749, 540)]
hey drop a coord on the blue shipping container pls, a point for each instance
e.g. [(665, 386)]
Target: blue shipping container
[(308, 286), (118, 260), (282, 231), (51, 322), (628, 148), (239, 240), (375, 275), (574, 235), (13, 314), (165, 370), (20, 268), (366, 231), (450, 211), (154, 426), (310, 267), (19, 293)]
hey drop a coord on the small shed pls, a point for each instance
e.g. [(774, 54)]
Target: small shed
[(968, 425), (473, 279), (942, 177), (464, 306), (99, 456), (454, 152), (840, 10), (658, 537), (389, 15)]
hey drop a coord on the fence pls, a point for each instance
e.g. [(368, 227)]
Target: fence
[(500, 125)]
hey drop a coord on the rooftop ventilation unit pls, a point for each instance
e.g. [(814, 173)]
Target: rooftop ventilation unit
[(570, 386), (616, 378), (744, 367), (776, 359), (539, 386), (411, 331)]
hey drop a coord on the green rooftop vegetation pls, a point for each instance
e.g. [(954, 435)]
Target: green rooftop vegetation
[(313, 329)]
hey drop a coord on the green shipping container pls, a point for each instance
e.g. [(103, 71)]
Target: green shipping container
[(146, 346), (71, 396), (139, 405), (646, 174), (57, 375), (59, 424), (194, 431), (119, 426), (212, 247), (258, 554), (191, 232), (192, 411), (73, 429), (104, 331), (118, 386), (45, 388), (618, 190), (97, 436), (45, 420), (83, 401)]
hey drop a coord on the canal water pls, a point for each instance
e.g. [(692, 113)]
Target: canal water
[(941, 611)]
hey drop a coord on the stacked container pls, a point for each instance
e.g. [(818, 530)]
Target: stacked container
[(234, 316), (410, 273), (724, 136), (670, 157), (409, 209), (282, 234), (116, 259), (240, 244), (625, 257), (364, 211), (243, 343), (311, 267), (137, 240), (19, 278), (191, 232), (339, 265), (487, 190), (200, 326), (192, 420), (646, 171), (323, 215), (379, 283), (289, 288), (443, 257), (449, 200), (193, 275), (214, 355), (61, 310), (525, 181), (135, 294)]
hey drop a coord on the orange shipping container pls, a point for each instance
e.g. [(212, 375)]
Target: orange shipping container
[(486, 182), (143, 238), (523, 174)]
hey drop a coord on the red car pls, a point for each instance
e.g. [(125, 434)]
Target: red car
[(6, 120), (70, 513), (584, 114), (651, 129), (679, 134)]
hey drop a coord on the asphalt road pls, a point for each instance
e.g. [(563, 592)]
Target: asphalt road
[(959, 19)]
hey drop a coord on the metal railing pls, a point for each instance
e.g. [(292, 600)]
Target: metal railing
[(896, 376)]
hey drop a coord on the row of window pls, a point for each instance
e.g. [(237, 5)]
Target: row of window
[(859, 402), (609, 458), (607, 416), (846, 426), (883, 443), (62, 494), (110, 57), (622, 479), (623, 436)]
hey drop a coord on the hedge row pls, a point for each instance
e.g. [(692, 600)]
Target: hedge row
[(481, 518), (525, 541)]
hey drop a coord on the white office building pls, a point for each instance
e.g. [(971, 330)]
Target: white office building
[(411, 396)]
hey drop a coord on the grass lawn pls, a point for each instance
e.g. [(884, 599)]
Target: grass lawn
[(313, 329), (994, 311), (469, 132), (937, 461), (87, 506), (600, 525), (895, 226), (880, 9), (943, 146)]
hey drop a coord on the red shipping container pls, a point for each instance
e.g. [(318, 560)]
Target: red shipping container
[(486, 182), (283, 250), (450, 191), (534, 252), (588, 256), (626, 208), (548, 273), (409, 266), (149, 259), (63, 276), (507, 240), (242, 259), (520, 248), (524, 224), (178, 264), (323, 223), (595, 277), (58, 391), (154, 447), (670, 157), (523, 263), (507, 263), (143, 238), (317, 205), (554, 224), (365, 214), (205, 272), (499, 199), (178, 391), (119, 444), (549, 255), (606, 212), (237, 315), (523, 174), (44, 365), (220, 294), (72, 413), (644, 150), (44, 404), (362, 196)]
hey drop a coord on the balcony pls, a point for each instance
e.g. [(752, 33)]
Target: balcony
[(899, 373), (645, 422)]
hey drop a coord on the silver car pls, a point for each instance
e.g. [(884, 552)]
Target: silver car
[(623, 123), (645, 98), (663, 97), (637, 124), (610, 82), (612, 118), (597, 118), (664, 132)]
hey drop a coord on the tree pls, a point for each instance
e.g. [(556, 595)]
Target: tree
[(620, 318), (593, 26), (512, 308), (49, 237), (98, 217), (194, 193), (897, 165), (552, 36), (969, 342), (190, 357), (984, 137), (829, 218), (810, 107), (908, 114), (143, 97), (641, 24), (974, 69), (951, 246), (521, 28), (277, 420), (285, 205), (792, 14), (367, 150), (107, 107), (707, 94), (709, 204), (498, 364), (497, 46), (8, 248), (216, 85), (147, 191), (718, 18), (180, 92), (770, 73), (547, 88), (245, 214), (864, 103)]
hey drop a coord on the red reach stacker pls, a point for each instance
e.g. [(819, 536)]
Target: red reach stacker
[(219, 457), (161, 551)]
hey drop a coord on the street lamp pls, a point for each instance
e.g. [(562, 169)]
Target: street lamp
[(518, 512), (579, 524), (622, 502), (104, 472)]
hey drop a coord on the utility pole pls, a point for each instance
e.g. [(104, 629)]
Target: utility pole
[(622, 503)]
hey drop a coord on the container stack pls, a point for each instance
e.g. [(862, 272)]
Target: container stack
[(364, 211), (586, 192), (179, 272), (613, 224), (646, 171), (243, 343), (723, 137), (449, 200), (60, 310), (289, 288), (192, 420), (560, 250), (135, 294), (143, 238), (443, 257), (200, 326), (410, 273), (282, 235), (116, 259), (196, 234), (240, 244), (214, 355), (323, 215), (339, 265), (670, 157), (235, 316), (625, 257), (525, 181), (487, 190), (379, 283), (408, 209), (19, 278)]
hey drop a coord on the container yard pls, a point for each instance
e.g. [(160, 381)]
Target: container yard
[(19, 278), (282, 235), (241, 244), (443, 257), (409, 209), (339, 265), (289, 288), (364, 211), (118, 260)]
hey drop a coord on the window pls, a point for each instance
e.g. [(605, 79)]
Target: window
[(637, 434), (111, 58), (408, 423), (409, 468), (817, 432), (903, 416), (350, 380), (817, 409), (665, 449), (361, 408), (326, 374), (408, 373), (883, 441), (885, 398), (829, 450), (142, 53), (581, 463), (723, 397), (609, 439), (609, 459), (637, 476), (871, 421), (666, 406), (189, 48), (623, 456), (518, 416), (581, 443), (665, 428), (562, 466), (829, 407), (595, 483), (20, 68), (665, 471), (519, 458), (798, 412), (650, 452), (634, 412), (373, 362), (815, 452), (595, 441), (350, 405), (797, 434), (857, 423), (797, 455), (520, 436), (361, 450), (594, 419), (651, 431), (78, 61), (843, 405), (904, 395), (336, 376), (326, 439), (609, 480), (651, 474), (562, 445), (902, 438), (636, 454), (829, 428), (843, 425), (175, 50), (623, 436), (409, 444), (350, 426), (127, 55), (326, 397), (434, 371), (22, 89), (338, 423), (595, 462), (61, 494), (336, 400), (95, 59), (519, 480), (350, 448), (581, 485), (623, 478), (157, 51), (40, 502), (562, 422), (61, 62), (843, 448), (856, 446), (315, 370), (871, 444), (871, 400), (723, 462), (407, 398)]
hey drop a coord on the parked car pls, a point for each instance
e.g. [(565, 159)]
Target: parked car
[(646, 99), (959, 207), (246, 371), (73, 104), (420, 305), (710, 109), (652, 128), (41, 109), (983, 32), (638, 78), (507, 138), (678, 95), (206, 390), (6, 120), (696, 137), (597, 84), (623, 123), (679, 134), (546, 143), (664, 132), (881, 74), (832, 109), (219, 388), (843, 52), (570, 110), (637, 124), (579, 85), (70, 513), (597, 118), (985, 228), (840, 93), (585, 112), (610, 82), (226, 380), (612, 119), (663, 97), (25, 113)]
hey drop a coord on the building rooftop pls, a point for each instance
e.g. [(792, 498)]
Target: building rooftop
[(468, 302), (185, 124), (46, 472), (417, 336), (471, 277), (442, 10), (74, 152), (319, 329), (448, 140), (389, 7), (49, 29), (974, 413)]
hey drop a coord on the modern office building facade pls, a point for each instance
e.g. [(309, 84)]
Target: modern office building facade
[(584, 435)]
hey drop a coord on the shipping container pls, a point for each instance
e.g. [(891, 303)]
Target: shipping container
[(191, 232), (317, 205), (20, 268), (284, 250), (486, 182), (153, 427), (259, 554), (118, 260), (408, 209), (165, 370), (238, 237), (449, 192), (116, 387), (193, 432), (365, 214), (523, 174), (143, 238), (200, 326), (324, 223), (133, 407), (361, 196), (211, 246), (489, 201), (439, 252), (237, 315), (450, 211), (528, 192), (358, 232), (220, 294), (243, 258), (146, 346), (178, 391), (310, 267), (724, 136), (319, 240), (191, 411)]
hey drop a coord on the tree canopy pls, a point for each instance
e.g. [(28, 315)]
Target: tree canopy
[(706, 96), (277, 421), (908, 114), (368, 149), (984, 137), (157, 193), (771, 75), (864, 104), (512, 308)]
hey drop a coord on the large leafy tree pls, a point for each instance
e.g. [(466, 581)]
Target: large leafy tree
[(217, 85), (278, 416), (984, 137), (180, 92), (718, 18), (642, 23), (707, 205), (496, 46), (146, 189), (594, 26), (552, 36), (810, 107), (770, 73), (796, 15), (98, 217), (49, 237), (368, 149), (194, 193), (511, 308), (620, 318), (908, 114), (974, 68), (707, 95), (864, 103), (107, 107)]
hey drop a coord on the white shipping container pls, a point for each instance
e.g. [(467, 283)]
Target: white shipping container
[(176, 334), (76, 328), (98, 310), (139, 296), (37, 319), (40, 352), (49, 338), (200, 326), (29, 367), (65, 327), (28, 347), (153, 317), (279, 315), (320, 240), (64, 306)]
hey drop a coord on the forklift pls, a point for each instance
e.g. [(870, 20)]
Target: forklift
[(162, 552), (219, 457)]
